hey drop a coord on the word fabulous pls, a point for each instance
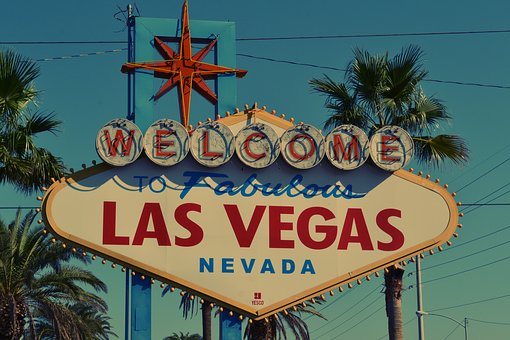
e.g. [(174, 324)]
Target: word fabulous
[(166, 143)]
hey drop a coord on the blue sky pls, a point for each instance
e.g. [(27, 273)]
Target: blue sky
[(87, 92)]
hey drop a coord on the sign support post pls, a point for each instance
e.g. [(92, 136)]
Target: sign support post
[(138, 292), (421, 327)]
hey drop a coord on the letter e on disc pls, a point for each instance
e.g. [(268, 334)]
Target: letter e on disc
[(391, 148), (166, 142)]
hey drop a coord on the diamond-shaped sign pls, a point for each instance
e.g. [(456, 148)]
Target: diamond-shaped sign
[(255, 240)]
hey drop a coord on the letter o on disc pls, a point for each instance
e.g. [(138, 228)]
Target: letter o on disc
[(166, 142), (347, 147), (391, 148), (303, 146), (212, 144), (119, 142), (257, 145)]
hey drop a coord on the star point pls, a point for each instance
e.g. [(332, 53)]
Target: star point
[(184, 69)]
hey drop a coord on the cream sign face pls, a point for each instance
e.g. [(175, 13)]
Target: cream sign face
[(255, 240)]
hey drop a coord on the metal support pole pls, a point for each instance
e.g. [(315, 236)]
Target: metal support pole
[(465, 329), (421, 329)]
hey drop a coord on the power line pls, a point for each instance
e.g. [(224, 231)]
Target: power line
[(377, 298), (80, 55), (302, 37), (453, 331), (477, 238), (466, 256), (466, 270), (63, 42), (290, 62), (15, 208), (495, 198), (346, 310), (360, 322), (483, 161), (490, 322), (483, 175), (470, 303), (372, 35)]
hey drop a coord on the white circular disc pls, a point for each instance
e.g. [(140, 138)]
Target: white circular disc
[(302, 146), (347, 147), (166, 142), (391, 148), (257, 145), (119, 142), (212, 144)]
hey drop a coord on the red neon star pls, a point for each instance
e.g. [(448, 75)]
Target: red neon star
[(184, 69)]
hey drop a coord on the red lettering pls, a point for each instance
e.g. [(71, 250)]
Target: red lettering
[(196, 233), (387, 150), (205, 147), (296, 155), (151, 210), (246, 146), (109, 218), (303, 228), (397, 237), (244, 235), (355, 216), (163, 144), (276, 226), (352, 146), (119, 138)]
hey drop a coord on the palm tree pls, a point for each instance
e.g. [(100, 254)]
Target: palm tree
[(380, 91), (42, 295), (189, 307), (22, 163), (182, 336), (277, 325)]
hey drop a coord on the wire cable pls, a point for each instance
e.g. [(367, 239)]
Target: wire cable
[(490, 322), (302, 37), (467, 270), (470, 303), (453, 331), (483, 175), (283, 61)]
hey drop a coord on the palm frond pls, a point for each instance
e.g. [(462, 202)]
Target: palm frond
[(16, 91), (435, 150)]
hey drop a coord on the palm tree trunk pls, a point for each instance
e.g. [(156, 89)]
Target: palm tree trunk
[(259, 331), (206, 320), (393, 282)]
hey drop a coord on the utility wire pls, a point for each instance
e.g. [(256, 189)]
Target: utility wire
[(495, 198), (290, 62), (467, 270), (302, 37), (470, 303), (346, 311), (377, 35), (15, 208), (477, 238), (490, 322), (463, 257), (483, 161), (360, 322), (483, 175), (377, 298), (453, 331)]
